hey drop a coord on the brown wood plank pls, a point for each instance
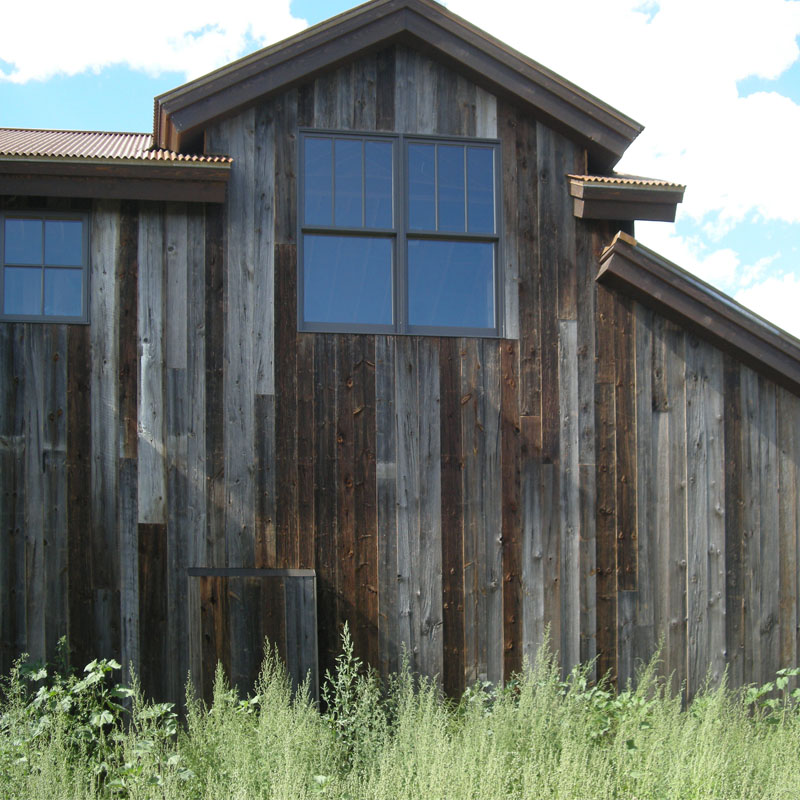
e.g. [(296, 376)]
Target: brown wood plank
[(286, 490), (325, 496), (105, 427), (510, 506), (155, 647), (285, 116), (385, 471), (521, 217), (569, 515), (532, 573), (452, 519), (345, 488), (384, 90), (734, 565), (265, 511), (214, 625), (306, 429), (365, 77), (644, 637), (588, 568), (789, 522), (606, 527), (34, 504), (215, 312), (426, 549), (79, 509), (625, 445), (365, 498), (407, 489)]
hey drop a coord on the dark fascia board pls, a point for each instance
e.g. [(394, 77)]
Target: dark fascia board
[(593, 200), (110, 179), (708, 313), (182, 114)]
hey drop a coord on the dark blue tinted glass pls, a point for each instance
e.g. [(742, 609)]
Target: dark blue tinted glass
[(23, 241), (451, 188), (480, 189), (378, 182), (421, 187), (347, 279), (22, 291), (451, 284), (318, 181), (63, 242), (348, 183), (63, 295)]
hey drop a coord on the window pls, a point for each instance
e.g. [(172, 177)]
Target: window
[(398, 234), (44, 266)]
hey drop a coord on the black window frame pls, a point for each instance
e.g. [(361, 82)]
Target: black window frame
[(400, 234), (84, 268)]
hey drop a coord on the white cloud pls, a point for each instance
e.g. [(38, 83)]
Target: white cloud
[(192, 39), (777, 299)]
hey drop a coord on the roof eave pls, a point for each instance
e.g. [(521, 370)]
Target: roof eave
[(182, 113), (708, 313), (126, 179), (616, 201)]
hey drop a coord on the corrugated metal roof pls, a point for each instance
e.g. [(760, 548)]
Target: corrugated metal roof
[(29, 143), (627, 180)]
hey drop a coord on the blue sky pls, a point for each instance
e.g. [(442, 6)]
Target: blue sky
[(715, 82)]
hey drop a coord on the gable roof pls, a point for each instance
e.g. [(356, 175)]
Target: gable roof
[(106, 165), (181, 115), (633, 269)]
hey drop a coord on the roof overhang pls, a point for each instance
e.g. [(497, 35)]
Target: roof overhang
[(182, 114), (648, 277), (624, 198), (114, 179)]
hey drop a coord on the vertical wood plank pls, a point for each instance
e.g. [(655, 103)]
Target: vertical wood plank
[(215, 313), (569, 501), (306, 428), (127, 333), (79, 508), (325, 496), (510, 510), (365, 497), (384, 89), (407, 489), (286, 406), (789, 521), (452, 519), (105, 426), (426, 572), (176, 235), (386, 479), (154, 647), (734, 572), (150, 447)]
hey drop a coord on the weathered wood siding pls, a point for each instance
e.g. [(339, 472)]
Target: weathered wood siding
[(598, 470)]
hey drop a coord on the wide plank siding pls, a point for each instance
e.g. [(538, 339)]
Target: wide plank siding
[(596, 471)]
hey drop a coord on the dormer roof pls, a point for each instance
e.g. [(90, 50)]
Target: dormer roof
[(182, 114)]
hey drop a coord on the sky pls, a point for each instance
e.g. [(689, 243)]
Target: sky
[(716, 83)]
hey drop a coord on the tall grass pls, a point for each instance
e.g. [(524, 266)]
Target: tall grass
[(539, 737)]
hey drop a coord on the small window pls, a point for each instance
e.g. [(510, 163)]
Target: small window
[(44, 267), (398, 234)]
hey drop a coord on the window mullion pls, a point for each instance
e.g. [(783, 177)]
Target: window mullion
[(400, 197)]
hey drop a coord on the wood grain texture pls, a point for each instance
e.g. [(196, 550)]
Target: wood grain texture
[(452, 520), (155, 647)]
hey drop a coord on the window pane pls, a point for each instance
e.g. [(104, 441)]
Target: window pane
[(421, 187), (451, 188), (63, 242), (347, 279), (378, 180), (318, 181), (348, 183), (480, 189), (22, 290), (62, 292), (451, 284), (23, 241)]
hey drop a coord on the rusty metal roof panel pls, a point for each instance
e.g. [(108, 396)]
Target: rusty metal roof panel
[(30, 143), (618, 179)]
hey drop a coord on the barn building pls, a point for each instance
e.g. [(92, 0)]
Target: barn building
[(361, 333)]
